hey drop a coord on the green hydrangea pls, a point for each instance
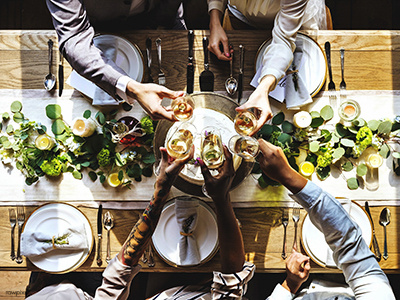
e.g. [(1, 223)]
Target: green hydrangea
[(325, 159), (364, 137), (147, 124), (103, 157), (52, 167)]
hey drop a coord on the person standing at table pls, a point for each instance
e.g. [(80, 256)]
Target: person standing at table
[(72, 20), (285, 18), (365, 278)]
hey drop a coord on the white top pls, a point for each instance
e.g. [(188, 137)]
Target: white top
[(286, 17)]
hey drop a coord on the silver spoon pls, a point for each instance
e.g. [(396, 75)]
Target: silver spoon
[(50, 79), (108, 222), (231, 83), (384, 220)]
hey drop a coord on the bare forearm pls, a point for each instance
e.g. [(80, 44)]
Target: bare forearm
[(215, 18)]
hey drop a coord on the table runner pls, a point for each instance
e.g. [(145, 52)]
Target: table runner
[(374, 105)]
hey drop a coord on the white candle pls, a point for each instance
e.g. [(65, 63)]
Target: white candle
[(374, 161), (44, 142), (302, 119), (83, 127)]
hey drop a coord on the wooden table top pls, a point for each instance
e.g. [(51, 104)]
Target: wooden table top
[(372, 62)]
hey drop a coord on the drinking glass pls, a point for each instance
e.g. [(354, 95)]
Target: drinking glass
[(349, 110), (245, 122), (211, 150), (183, 107), (180, 140), (246, 147)]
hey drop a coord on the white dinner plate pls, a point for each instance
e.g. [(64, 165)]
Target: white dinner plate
[(313, 70), (128, 57), (54, 218), (167, 234), (314, 242)]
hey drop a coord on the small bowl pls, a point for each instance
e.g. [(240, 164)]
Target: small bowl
[(349, 110)]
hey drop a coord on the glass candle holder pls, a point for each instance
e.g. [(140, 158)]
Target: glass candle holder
[(44, 142), (83, 127), (302, 119), (349, 110)]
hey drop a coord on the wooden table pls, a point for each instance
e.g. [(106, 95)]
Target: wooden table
[(372, 62)]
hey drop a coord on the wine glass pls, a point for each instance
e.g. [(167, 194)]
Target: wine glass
[(180, 140), (246, 147), (245, 122), (183, 107)]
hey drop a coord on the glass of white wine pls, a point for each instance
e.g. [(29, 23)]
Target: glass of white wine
[(183, 107), (211, 149), (245, 122), (179, 141), (246, 147)]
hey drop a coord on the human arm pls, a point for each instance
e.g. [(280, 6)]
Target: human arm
[(350, 252), (218, 36)]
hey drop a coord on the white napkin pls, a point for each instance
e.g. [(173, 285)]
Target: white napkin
[(34, 243), (186, 212), (329, 262)]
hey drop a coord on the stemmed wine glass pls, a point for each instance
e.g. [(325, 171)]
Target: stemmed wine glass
[(183, 107)]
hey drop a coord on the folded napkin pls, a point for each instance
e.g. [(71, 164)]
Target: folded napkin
[(34, 243), (186, 212)]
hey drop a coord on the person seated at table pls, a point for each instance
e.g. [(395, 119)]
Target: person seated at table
[(350, 252), (231, 282), (285, 18), (73, 20)]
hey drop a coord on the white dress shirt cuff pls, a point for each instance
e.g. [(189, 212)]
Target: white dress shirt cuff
[(121, 89), (216, 4), (280, 293)]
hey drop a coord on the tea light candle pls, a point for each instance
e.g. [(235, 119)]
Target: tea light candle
[(302, 119), (374, 161), (44, 142), (349, 110), (83, 127)]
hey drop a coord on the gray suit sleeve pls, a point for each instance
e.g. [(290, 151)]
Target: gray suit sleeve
[(75, 36)]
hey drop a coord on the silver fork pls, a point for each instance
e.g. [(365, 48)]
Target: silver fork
[(161, 75), (13, 222), (296, 218), (342, 83), (21, 220), (285, 222)]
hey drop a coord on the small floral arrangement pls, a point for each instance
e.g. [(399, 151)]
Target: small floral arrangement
[(329, 146), (97, 153)]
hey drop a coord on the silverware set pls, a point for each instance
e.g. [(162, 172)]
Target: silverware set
[(17, 217)]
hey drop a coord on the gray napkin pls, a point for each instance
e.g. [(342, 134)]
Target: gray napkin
[(186, 212), (101, 97), (296, 92), (34, 243)]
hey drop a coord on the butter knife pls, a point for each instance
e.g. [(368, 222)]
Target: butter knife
[(241, 69), (378, 255), (99, 233), (190, 66), (60, 75)]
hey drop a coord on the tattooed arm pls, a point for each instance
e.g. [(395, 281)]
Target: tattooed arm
[(139, 237)]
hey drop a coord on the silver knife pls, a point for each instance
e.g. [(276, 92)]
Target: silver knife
[(148, 52), (378, 255), (161, 75), (99, 233)]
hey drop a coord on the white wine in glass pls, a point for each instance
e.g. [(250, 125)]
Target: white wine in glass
[(180, 141), (212, 152), (244, 146), (245, 122), (183, 108)]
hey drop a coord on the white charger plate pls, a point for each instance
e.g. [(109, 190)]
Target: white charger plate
[(54, 218), (313, 69), (167, 234), (314, 242), (128, 57)]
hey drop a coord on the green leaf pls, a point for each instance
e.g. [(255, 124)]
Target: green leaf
[(341, 130), (362, 170), (396, 154), (58, 127), (385, 127), (326, 135), (314, 146), (347, 166), (265, 131), (53, 111), (285, 138), (323, 173), (134, 171), (316, 122), (16, 106), (3, 139), (18, 117), (77, 174), (9, 129), (5, 116), (100, 118), (85, 164), (352, 183), (147, 172), (149, 158), (87, 114), (315, 114), (264, 181), (92, 176), (347, 143), (384, 151), (102, 178), (360, 122), (120, 175), (338, 153), (373, 124), (327, 112), (278, 118), (287, 127)]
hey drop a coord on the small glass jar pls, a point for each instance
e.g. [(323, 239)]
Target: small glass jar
[(349, 110)]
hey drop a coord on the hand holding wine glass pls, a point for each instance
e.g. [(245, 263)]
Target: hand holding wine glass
[(183, 107)]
